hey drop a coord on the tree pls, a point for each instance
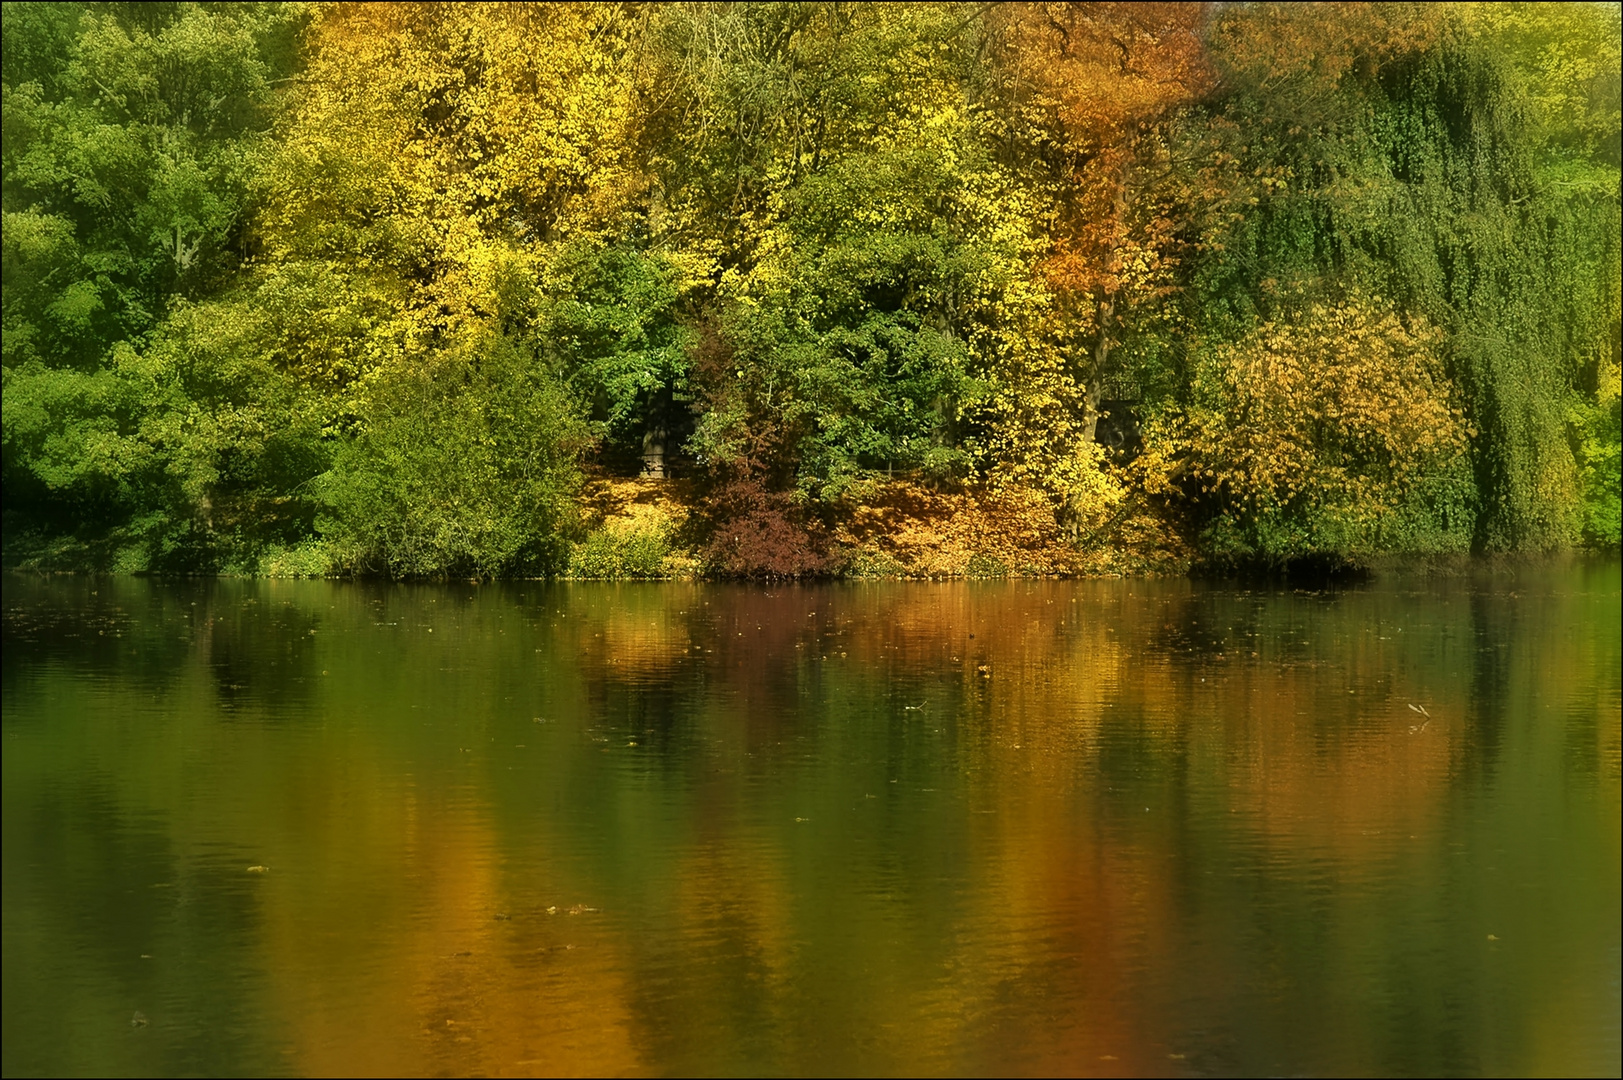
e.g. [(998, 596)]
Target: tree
[(131, 135), (130, 139), (1094, 86), (871, 259), (1329, 432)]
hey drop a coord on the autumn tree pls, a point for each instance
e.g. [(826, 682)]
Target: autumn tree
[(1333, 431), (442, 228), (367, 287), (1092, 87)]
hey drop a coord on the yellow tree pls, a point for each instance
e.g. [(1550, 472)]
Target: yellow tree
[(1313, 434), (449, 145), (436, 163)]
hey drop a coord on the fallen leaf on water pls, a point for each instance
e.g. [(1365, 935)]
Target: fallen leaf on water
[(259, 869)]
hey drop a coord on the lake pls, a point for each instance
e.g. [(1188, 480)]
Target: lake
[(1118, 827)]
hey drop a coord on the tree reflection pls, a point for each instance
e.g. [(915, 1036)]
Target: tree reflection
[(1115, 827)]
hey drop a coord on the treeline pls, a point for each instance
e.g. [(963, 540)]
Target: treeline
[(375, 289)]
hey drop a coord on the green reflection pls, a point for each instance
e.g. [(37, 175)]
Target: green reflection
[(1112, 827)]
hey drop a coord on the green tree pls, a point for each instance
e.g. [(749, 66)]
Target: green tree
[(871, 260), (465, 465), (131, 135)]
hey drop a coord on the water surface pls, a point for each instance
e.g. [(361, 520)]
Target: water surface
[(1157, 828)]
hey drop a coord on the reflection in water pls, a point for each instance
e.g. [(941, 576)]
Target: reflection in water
[(1113, 827)]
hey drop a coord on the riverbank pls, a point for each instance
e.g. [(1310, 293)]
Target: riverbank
[(885, 530), (644, 529)]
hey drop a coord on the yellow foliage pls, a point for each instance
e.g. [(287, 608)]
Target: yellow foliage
[(625, 505), (439, 143), (903, 529), (636, 526), (1346, 406)]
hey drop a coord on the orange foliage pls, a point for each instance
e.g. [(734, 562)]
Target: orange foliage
[(907, 529), (1100, 78), (1320, 44)]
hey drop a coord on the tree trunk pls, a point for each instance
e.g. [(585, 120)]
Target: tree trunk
[(1095, 384), (653, 453)]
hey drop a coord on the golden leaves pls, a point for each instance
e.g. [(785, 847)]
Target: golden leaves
[(441, 142), (1345, 405)]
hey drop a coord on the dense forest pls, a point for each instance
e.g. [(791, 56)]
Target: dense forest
[(789, 289)]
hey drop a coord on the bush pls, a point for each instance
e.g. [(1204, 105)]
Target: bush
[(1333, 434), (760, 533), (613, 554), (466, 466)]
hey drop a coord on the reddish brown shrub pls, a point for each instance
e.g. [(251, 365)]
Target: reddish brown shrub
[(760, 533)]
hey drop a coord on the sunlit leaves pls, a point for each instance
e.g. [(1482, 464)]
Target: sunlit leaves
[(1329, 420), (270, 256)]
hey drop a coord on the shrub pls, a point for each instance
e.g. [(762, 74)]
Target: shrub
[(1331, 434), (466, 466)]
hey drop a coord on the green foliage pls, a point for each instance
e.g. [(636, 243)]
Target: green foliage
[(464, 467), (131, 135), (1521, 265), (613, 329), (359, 288), (859, 306), (190, 455), (308, 559), (1600, 457)]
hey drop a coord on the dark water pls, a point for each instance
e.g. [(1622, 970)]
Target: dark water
[(1114, 827)]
